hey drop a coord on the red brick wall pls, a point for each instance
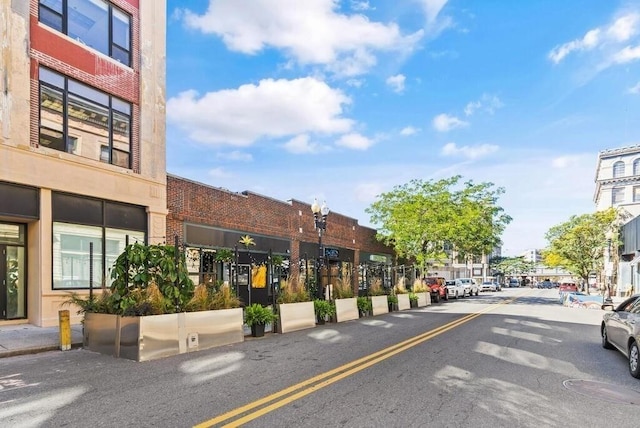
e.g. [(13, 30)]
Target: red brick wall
[(192, 202), (54, 50)]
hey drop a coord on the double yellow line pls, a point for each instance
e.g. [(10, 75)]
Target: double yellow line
[(304, 388)]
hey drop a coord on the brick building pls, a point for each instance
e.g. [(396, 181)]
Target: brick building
[(206, 219), (82, 145)]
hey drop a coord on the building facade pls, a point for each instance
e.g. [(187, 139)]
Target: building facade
[(205, 220), (82, 145)]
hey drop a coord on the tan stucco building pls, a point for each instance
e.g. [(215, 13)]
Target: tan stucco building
[(82, 146)]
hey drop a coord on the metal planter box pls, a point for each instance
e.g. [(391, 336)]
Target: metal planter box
[(424, 299), (347, 309), (296, 316), (379, 305), (156, 336), (403, 302)]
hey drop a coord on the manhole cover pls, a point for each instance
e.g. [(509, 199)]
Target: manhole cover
[(603, 391)]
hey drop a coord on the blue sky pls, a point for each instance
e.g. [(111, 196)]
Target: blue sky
[(342, 100)]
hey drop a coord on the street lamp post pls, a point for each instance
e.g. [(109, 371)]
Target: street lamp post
[(608, 270), (320, 214)]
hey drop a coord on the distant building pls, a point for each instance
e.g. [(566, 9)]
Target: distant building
[(532, 255)]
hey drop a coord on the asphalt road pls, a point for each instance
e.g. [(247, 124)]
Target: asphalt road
[(514, 358)]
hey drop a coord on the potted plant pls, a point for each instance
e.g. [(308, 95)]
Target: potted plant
[(392, 301), (364, 306), (256, 317), (413, 300), (323, 309)]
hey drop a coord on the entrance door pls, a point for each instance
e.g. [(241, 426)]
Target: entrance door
[(12, 284)]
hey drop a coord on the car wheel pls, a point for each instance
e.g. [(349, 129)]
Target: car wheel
[(634, 360), (437, 298), (605, 338), (456, 296), (446, 297), (476, 292)]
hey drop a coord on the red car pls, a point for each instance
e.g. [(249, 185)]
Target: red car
[(437, 288), (566, 287)]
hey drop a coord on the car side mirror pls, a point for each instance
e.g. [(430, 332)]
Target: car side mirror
[(607, 307)]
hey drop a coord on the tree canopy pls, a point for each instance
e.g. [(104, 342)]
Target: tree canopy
[(512, 266), (422, 218), (578, 244)]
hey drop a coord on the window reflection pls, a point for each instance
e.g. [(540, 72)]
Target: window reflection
[(93, 130), (87, 21)]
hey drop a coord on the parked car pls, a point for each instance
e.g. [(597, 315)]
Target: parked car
[(513, 282), (545, 284), (437, 287), (620, 329), (498, 286), (567, 287), (488, 286), (471, 285), (455, 288)]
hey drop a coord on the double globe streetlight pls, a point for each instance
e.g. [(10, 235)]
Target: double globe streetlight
[(320, 214)]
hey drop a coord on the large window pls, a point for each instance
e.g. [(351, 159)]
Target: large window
[(78, 248), (618, 169), (636, 167), (81, 120), (88, 236), (617, 195), (94, 23)]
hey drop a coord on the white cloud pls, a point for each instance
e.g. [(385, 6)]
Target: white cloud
[(361, 5), (236, 155), (487, 103), (626, 55), (432, 8), (469, 152), (367, 192), (396, 83), (619, 31), (356, 83), (443, 123), (219, 173), (562, 162), (409, 130), (354, 141), (271, 109), (436, 21), (634, 89), (309, 32), (302, 144)]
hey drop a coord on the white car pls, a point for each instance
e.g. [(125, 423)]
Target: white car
[(456, 289), (488, 286), (471, 285)]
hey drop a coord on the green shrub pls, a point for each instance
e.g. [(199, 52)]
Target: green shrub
[(258, 314)]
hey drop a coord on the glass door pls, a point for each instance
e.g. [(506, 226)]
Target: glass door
[(13, 293)]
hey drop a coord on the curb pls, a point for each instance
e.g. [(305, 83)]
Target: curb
[(35, 350)]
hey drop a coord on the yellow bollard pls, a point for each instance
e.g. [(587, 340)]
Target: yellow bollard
[(65, 330)]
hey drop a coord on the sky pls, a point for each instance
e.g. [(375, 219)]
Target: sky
[(344, 100)]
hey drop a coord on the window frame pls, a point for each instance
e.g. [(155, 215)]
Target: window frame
[(112, 46), (49, 79), (618, 169), (615, 192)]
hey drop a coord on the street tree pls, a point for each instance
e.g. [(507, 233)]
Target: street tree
[(511, 266), (578, 244), (422, 218)]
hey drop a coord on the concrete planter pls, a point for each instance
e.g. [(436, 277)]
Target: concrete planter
[(403, 302), (157, 336), (347, 309), (424, 299), (296, 316), (379, 305)]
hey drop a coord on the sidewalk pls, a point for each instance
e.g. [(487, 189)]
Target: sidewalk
[(29, 339)]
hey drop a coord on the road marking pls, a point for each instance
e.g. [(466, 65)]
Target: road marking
[(320, 381)]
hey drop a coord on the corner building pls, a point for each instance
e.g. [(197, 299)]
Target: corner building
[(82, 146)]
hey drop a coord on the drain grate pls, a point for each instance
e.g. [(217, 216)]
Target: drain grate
[(603, 391)]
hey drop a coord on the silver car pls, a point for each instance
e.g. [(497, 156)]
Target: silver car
[(620, 329)]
